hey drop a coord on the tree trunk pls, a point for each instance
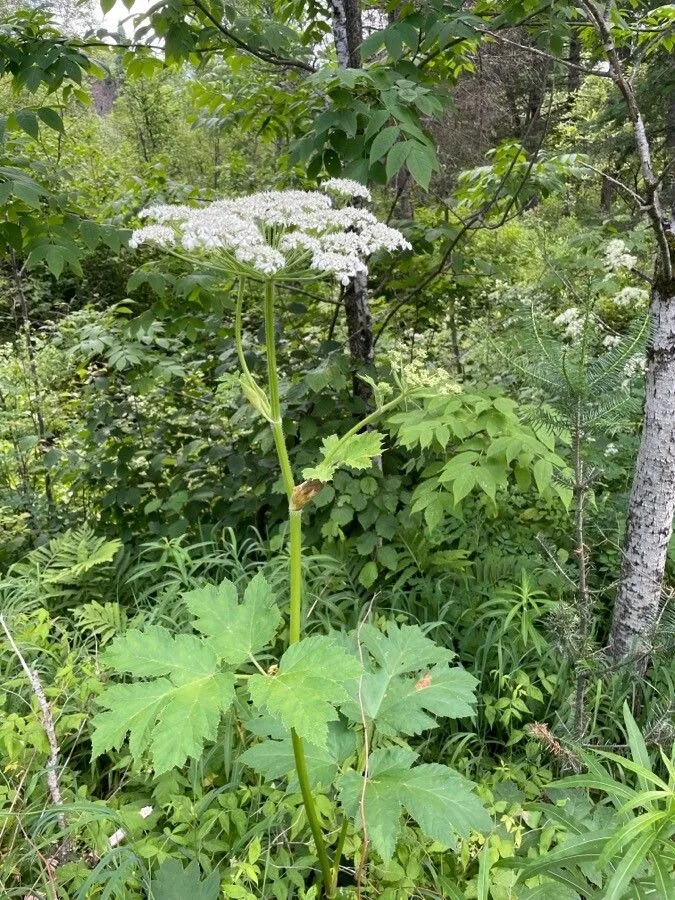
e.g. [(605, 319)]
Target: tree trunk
[(347, 36), (340, 33), (652, 501), (669, 180), (573, 73), (359, 331), (607, 191)]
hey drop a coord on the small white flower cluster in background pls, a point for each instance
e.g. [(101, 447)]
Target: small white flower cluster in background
[(571, 321), (418, 373), (617, 256), (277, 233), (611, 450), (630, 298), (611, 341), (636, 365)]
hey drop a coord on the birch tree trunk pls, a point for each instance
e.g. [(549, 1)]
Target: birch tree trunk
[(347, 36), (649, 526), (652, 500)]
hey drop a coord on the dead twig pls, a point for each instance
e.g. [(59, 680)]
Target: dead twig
[(48, 725)]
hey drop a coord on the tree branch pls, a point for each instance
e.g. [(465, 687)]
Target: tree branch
[(652, 203), (47, 724), (242, 45)]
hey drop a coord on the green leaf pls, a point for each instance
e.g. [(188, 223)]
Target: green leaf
[(403, 648), (626, 868), (383, 142), (236, 631), (91, 233), (274, 759), (354, 452), (548, 891), (463, 482), (51, 118), (393, 41), (438, 798), (409, 704), (576, 849), (638, 748), (372, 43), (27, 120), (152, 652), (397, 156), (484, 865), (172, 717), (173, 882), (377, 120), (543, 472), (368, 574), (663, 877), (420, 163), (308, 687)]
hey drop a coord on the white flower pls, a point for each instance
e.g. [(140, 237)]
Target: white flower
[(419, 373), (617, 255), (636, 365), (612, 340), (611, 450), (571, 321), (630, 298), (152, 234), (347, 188), (276, 233)]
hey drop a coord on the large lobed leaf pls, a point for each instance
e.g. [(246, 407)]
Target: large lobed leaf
[(236, 630), (171, 716), (356, 452), (308, 688), (173, 882), (439, 799), (274, 758), (410, 684)]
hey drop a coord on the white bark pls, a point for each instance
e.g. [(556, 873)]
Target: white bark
[(652, 500), (340, 33)]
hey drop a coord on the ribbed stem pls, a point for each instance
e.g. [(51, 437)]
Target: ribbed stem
[(295, 579), (295, 575), (275, 400)]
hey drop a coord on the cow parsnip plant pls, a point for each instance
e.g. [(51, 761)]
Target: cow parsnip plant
[(334, 711)]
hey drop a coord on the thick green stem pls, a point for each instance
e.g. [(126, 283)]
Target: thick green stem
[(238, 330), (312, 817), (295, 575), (295, 578), (275, 400)]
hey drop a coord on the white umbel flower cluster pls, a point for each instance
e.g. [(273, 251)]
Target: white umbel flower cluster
[(280, 234), (630, 298), (571, 321), (617, 256), (635, 366), (345, 187)]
